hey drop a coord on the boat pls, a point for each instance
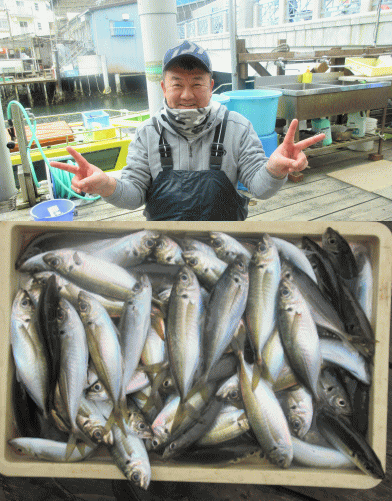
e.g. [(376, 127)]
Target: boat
[(103, 143)]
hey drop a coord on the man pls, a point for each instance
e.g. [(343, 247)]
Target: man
[(185, 162)]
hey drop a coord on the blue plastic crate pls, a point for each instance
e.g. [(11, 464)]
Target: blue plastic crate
[(98, 117)]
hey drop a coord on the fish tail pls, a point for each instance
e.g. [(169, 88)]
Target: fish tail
[(197, 387), (119, 418)]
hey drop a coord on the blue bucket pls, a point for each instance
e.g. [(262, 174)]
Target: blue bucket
[(220, 98), (59, 209), (259, 106), (270, 143)]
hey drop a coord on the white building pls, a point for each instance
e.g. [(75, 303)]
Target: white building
[(22, 17)]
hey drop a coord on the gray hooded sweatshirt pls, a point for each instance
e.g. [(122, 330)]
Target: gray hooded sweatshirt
[(244, 159)]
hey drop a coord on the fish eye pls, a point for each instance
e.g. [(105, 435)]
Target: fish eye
[(192, 261), (98, 435), (97, 387), (135, 477), (341, 402), (184, 277), (150, 244), (166, 383), (83, 306), (281, 461), (60, 314), (55, 261), (287, 274), (289, 308), (172, 446), (296, 425), (285, 291), (155, 442), (332, 240), (141, 425), (233, 394), (217, 243), (137, 286), (25, 302)]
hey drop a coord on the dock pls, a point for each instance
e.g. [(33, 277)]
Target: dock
[(318, 197)]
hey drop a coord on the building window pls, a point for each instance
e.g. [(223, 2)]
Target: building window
[(36, 6), (39, 26), (19, 3), (122, 29), (23, 24)]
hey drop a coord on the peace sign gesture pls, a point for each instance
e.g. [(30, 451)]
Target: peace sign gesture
[(88, 177), (289, 157)]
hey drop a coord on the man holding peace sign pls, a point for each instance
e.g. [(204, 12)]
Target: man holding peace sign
[(185, 162)]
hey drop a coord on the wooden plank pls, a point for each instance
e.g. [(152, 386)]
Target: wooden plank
[(378, 209), (320, 207)]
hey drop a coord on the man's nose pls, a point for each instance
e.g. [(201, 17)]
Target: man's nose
[(187, 93)]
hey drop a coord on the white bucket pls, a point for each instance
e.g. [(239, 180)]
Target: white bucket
[(357, 122), (370, 127)]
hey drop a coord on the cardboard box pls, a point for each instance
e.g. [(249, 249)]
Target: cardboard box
[(377, 239)]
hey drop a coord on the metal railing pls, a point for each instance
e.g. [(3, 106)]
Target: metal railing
[(269, 13)]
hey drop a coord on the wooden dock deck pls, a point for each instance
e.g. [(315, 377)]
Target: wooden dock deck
[(317, 197)]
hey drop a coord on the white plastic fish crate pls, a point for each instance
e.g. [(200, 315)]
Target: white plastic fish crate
[(375, 236)]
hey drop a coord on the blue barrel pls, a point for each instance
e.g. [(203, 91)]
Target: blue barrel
[(259, 106), (270, 143), (59, 209)]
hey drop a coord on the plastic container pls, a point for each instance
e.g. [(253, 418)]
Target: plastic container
[(58, 209), (97, 116), (368, 66), (323, 125), (220, 98), (102, 134), (357, 122), (270, 143), (370, 128), (252, 470), (260, 106)]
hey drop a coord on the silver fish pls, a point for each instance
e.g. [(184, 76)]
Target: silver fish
[(227, 247), (294, 255), (27, 350), (183, 334), (230, 423), (264, 279), (48, 450), (208, 268), (299, 335), (92, 422), (105, 351), (365, 283), (167, 251), (91, 273), (332, 392), (190, 244), (316, 456), (297, 405), (134, 324)]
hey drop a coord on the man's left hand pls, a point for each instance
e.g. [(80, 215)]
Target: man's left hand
[(289, 157)]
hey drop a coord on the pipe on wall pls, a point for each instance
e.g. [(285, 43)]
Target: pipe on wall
[(158, 20)]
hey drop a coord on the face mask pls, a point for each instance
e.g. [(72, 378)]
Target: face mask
[(189, 123)]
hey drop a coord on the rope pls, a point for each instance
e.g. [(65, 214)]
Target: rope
[(63, 178)]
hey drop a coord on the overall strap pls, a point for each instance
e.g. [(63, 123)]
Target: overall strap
[(217, 150), (164, 148)]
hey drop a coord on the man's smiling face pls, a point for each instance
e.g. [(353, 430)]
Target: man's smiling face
[(187, 89)]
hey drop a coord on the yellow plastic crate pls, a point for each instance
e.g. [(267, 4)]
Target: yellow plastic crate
[(368, 66)]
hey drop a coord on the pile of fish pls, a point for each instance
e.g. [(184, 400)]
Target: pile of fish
[(202, 348)]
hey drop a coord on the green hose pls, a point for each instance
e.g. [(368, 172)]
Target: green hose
[(63, 178)]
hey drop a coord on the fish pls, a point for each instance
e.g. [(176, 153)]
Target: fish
[(350, 443), (92, 422), (167, 251), (224, 311), (28, 352), (48, 450), (191, 244), (333, 393), (91, 273), (297, 404), (130, 455), (340, 253), (227, 248), (363, 291), (135, 322), (105, 351), (183, 333), (230, 423), (317, 456), (299, 335), (295, 256), (74, 357), (261, 307), (208, 268)]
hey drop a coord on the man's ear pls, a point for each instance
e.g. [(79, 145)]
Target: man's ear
[(163, 86)]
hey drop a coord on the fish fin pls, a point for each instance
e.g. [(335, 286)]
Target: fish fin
[(256, 376), (70, 446)]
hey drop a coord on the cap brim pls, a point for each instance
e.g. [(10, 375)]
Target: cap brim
[(188, 56)]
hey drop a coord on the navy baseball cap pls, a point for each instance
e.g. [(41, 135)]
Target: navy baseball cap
[(187, 49)]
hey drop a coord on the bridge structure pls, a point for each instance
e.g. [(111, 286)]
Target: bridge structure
[(304, 27)]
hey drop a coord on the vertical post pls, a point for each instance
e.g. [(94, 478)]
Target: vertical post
[(158, 20), (280, 69), (58, 75), (317, 8), (107, 89), (233, 44), (29, 96), (20, 131), (118, 83), (16, 92), (366, 6), (245, 14), (282, 11), (81, 87), (7, 185), (45, 93), (256, 15)]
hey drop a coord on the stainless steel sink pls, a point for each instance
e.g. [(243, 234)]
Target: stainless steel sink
[(305, 89)]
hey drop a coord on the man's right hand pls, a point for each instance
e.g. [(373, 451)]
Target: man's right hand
[(88, 178)]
